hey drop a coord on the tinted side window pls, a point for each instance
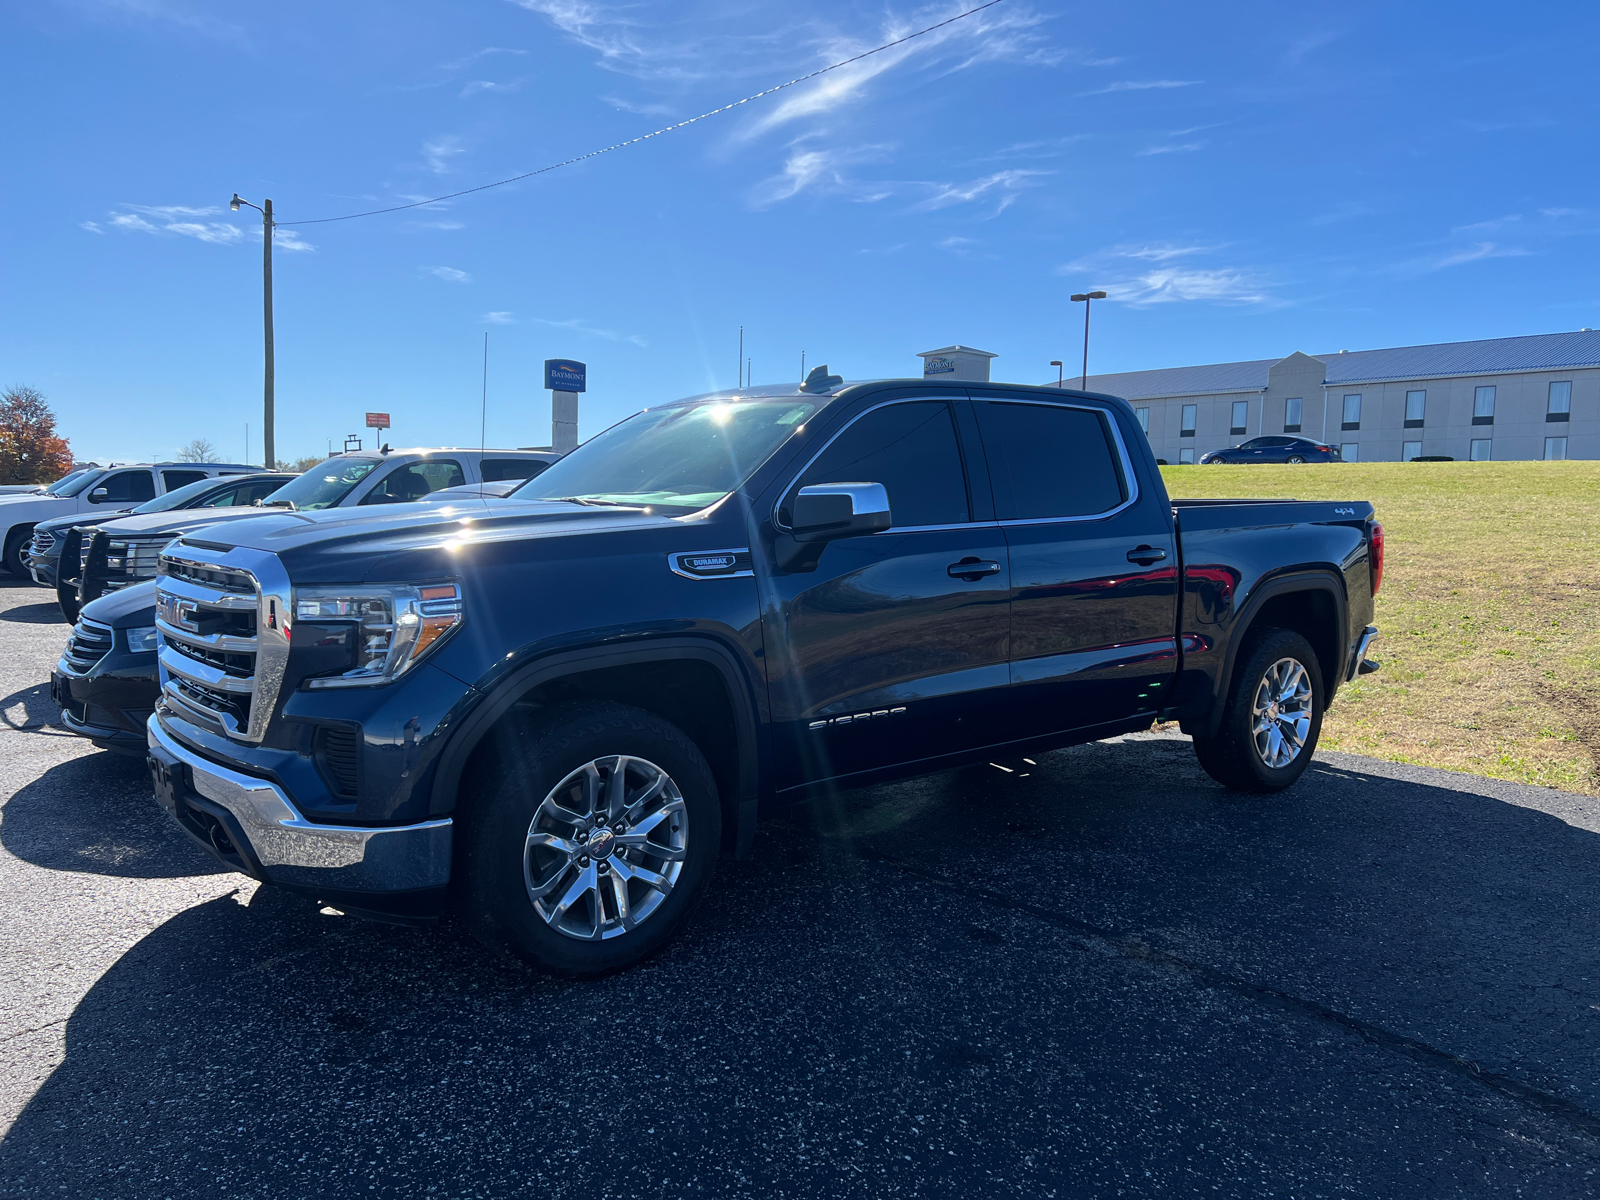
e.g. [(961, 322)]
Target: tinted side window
[(226, 498), (909, 448), (496, 469), (251, 492), (1050, 461), (416, 480), (128, 487), (177, 479)]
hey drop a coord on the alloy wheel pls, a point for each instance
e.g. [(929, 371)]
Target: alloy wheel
[(605, 848), (1280, 718)]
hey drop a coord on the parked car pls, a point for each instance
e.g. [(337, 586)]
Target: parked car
[(118, 486), (50, 538), (125, 551), (106, 681), (1275, 449), (555, 714)]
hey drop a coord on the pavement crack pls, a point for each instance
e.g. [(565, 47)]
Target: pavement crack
[(1131, 946)]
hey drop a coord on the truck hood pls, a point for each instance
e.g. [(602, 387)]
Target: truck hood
[(131, 607), (184, 520), (414, 540), (59, 524)]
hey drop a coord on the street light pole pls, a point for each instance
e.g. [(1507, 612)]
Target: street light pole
[(1056, 363), (269, 448), (1087, 298)]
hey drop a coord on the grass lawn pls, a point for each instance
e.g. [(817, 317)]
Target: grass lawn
[(1489, 612)]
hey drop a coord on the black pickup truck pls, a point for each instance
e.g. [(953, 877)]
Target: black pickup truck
[(552, 711)]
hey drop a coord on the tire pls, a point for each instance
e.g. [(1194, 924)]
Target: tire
[(1216, 462), (1236, 756), (11, 556), (527, 888), (1296, 459)]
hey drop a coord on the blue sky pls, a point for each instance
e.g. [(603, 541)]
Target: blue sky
[(1245, 180)]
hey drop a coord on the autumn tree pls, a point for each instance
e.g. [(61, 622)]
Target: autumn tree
[(30, 451)]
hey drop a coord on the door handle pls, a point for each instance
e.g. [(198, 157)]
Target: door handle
[(1145, 555), (973, 569)]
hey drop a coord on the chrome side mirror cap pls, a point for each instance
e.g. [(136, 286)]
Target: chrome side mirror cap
[(825, 512)]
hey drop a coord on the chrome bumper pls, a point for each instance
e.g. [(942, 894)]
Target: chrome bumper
[(281, 846), (1358, 660)]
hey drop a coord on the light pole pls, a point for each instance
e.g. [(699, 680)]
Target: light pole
[(1086, 297), (269, 449), (1056, 363)]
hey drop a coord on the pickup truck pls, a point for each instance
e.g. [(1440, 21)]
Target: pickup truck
[(552, 712)]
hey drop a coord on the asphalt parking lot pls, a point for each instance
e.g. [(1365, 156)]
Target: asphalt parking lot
[(1097, 976)]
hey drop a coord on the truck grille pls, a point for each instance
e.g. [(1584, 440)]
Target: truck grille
[(127, 559), (210, 618), (89, 643)]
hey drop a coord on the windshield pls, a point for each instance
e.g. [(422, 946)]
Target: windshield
[(324, 486), (71, 485), (178, 497), (686, 456)]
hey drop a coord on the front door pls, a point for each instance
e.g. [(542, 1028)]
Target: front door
[(890, 652), (1094, 567)]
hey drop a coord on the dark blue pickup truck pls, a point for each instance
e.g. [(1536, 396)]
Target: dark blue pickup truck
[(553, 710)]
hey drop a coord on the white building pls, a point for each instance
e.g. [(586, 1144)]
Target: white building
[(1534, 397)]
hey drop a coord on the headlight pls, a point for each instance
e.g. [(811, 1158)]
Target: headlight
[(398, 624), (142, 640)]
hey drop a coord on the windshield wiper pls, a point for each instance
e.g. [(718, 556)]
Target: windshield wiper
[(589, 501)]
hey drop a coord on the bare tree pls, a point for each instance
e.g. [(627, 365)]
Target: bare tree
[(199, 451), (30, 450)]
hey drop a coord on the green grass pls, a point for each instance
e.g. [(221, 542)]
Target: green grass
[(1489, 612)]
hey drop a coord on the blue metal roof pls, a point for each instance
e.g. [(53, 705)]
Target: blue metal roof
[(1535, 352)]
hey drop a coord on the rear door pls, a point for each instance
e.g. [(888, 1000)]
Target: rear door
[(889, 652), (1094, 579)]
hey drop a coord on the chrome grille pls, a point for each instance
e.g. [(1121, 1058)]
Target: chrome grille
[(90, 642), (130, 559), (43, 539), (223, 617)]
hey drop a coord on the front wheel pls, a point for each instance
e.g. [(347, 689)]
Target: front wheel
[(1216, 462), (1273, 718), (591, 833), (1296, 458), (11, 556)]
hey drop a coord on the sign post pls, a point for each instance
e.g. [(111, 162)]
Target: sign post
[(564, 379), (378, 421)]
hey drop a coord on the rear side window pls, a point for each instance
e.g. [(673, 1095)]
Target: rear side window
[(1050, 461), (496, 469), (416, 480), (127, 487), (177, 479), (909, 448)]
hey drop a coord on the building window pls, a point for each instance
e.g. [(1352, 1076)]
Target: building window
[(1241, 417), (1292, 409), (1142, 415), (1186, 455), (1186, 429), (1555, 449), (1483, 408), (1481, 448), (1416, 406), (1350, 451), (1352, 412), (1410, 450), (1559, 407)]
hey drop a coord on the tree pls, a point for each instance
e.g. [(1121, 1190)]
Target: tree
[(200, 451), (301, 465), (30, 451)]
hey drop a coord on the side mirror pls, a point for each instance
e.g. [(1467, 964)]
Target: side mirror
[(99, 496), (825, 512)]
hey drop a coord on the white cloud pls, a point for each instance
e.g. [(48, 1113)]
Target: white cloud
[(1003, 183), (175, 13), (1474, 253), (1044, 148), (215, 232), (821, 170), (440, 151), (1140, 85), (644, 110), (179, 220), (955, 241), (475, 86), (289, 239), (579, 325), (499, 318), (1167, 280), (1184, 148), (449, 274), (92, 227)]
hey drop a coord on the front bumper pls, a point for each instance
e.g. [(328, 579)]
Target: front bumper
[(250, 824), (42, 568)]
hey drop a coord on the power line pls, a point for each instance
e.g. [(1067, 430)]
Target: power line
[(646, 137)]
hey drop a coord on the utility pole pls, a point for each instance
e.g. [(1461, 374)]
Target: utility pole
[(1086, 297), (739, 367), (269, 446)]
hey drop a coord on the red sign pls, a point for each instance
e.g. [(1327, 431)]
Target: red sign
[(377, 420)]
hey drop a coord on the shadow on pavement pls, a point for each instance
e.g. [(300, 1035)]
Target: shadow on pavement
[(37, 709), (35, 614), (881, 1001), (96, 814)]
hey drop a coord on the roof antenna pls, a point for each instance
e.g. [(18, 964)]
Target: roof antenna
[(820, 381)]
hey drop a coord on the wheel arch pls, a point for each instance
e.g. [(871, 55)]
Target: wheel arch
[(1311, 602), (695, 683)]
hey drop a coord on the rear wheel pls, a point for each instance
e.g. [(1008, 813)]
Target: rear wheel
[(1296, 458), (1273, 718), (592, 833)]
